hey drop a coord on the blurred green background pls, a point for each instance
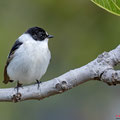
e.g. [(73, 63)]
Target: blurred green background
[(82, 30)]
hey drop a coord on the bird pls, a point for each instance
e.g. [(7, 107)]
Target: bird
[(29, 58)]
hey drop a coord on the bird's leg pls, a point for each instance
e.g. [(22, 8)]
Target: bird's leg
[(18, 85), (38, 82)]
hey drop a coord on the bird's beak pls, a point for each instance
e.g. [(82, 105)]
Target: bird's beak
[(50, 36)]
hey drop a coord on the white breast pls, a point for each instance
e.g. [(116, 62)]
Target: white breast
[(30, 61)]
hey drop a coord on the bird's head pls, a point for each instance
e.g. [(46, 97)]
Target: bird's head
[(38, 34)]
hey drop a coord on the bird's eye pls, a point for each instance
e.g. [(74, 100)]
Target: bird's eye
[(41, 36)]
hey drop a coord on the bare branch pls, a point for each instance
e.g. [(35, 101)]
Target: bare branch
[(102, 69)]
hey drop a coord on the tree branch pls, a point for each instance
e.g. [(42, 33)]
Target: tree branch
[(102, 69)]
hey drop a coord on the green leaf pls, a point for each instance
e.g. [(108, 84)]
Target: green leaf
[(117, 2), (112, 6)]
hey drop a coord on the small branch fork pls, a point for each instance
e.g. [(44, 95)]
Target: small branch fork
[(102, 69)]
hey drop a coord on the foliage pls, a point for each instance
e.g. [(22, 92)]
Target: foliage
[(112, 6)]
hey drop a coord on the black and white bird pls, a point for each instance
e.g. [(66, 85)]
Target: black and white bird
[(29, 57)]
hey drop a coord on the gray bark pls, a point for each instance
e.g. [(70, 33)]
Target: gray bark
[(102, 69)]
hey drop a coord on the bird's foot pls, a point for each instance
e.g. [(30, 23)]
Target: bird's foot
[(38, 82), (18, 86)]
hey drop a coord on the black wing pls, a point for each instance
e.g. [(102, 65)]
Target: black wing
[(16, 45)]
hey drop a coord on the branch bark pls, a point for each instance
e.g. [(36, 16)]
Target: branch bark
[(102, 69)]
